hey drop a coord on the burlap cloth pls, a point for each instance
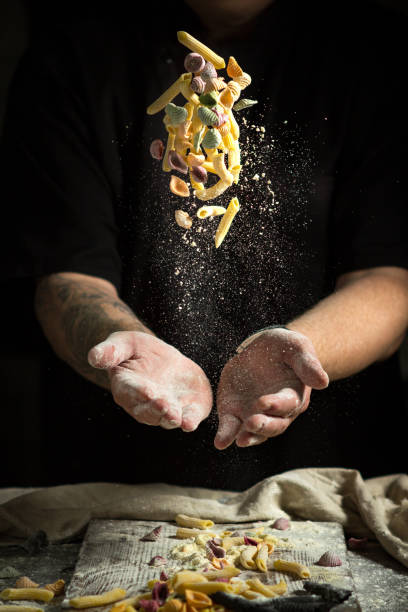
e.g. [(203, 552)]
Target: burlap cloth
[(377, 508)]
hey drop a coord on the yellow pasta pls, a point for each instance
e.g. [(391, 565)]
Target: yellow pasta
[(189, 106), (209, 166), (250, 594), (229, 141), (11, 608), (256, 585), (210, 211), (186, 532), (234, 158), (233, 123), (131, 601), (227, 572), (197, 47), (173, 605), (89, 601), (197, 599), (185, 90), (204, 587), (35, 594), (186, 576), (247, 557), (238, 586), (210, 153), (228, 542), (212, 192), (221, 170), (280, 588), (169, 94), (190, 521), (226, 220), (261, 558), (235, 170), (291, 566)]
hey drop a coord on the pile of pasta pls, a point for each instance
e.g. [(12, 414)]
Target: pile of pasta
[(189, 590), (203, 134)]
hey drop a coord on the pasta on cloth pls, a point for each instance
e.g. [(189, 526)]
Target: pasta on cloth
[(374, 507)]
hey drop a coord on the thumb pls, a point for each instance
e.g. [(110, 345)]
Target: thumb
[(117, 347), (228, 428), (309, 369)]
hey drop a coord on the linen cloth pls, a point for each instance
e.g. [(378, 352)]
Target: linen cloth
[(374, 508)]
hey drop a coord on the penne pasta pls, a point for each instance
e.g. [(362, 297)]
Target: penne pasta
[(221, 170), (204, 587), (291, 566), (230, 571), (35, 594), (186, 532), (169, 94), (233, 123), (250, 594), (280, 588), (185, 90), (229, 142), (225, 223), (89, 601), (228, 542), (186, 576), (212, 192), (209, 166), (247, 557), (210, 211), (173, 605), (197, 47), (264, 589), (197, 599), (261, 558), (190, 521), (17, 608)]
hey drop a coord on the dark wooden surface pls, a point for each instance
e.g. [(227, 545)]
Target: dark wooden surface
[(381, 583)]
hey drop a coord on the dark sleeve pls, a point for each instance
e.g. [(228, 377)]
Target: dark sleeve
[(369, 210), (60, 200)]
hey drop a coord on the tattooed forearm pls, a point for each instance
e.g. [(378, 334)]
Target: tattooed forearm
[(76, 312)]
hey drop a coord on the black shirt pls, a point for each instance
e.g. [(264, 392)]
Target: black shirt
[(327, 140)]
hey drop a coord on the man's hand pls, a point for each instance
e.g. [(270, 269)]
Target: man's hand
[(153, 381), (265, 387)]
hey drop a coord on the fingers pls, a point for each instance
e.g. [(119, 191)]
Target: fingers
[(306, 365), (117, 347), (140, 400), (148, 406), (267, 426), (245, 439), (228, 428), (156, 412), (283, 403)]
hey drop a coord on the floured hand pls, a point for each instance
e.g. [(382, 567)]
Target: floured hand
[(153, 381), (265, 387)]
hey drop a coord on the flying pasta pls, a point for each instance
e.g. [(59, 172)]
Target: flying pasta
[(202, 131)]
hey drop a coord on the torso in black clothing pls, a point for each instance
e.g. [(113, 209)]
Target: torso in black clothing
[(308, 218)]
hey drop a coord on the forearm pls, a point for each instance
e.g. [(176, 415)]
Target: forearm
[(76, 312), (364, 321)]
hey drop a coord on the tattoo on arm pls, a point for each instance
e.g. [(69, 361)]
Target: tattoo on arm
[(77, 315)]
